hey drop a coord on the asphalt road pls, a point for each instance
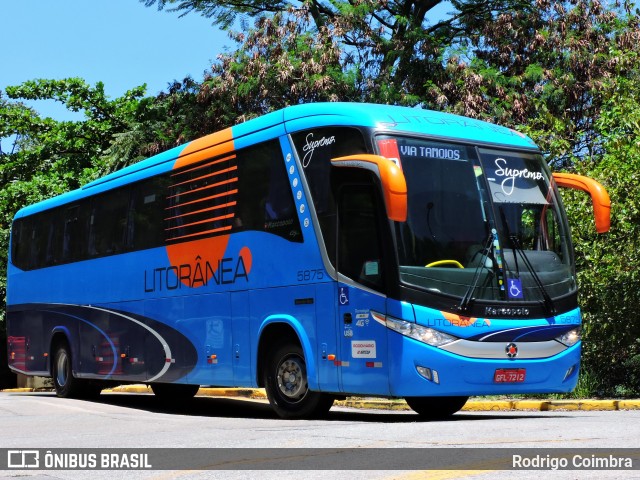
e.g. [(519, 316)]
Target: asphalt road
[(140, 421)]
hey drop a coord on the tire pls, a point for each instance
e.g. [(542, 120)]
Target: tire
[(285, 380), (174, 391), (436, 408), (66, 385)]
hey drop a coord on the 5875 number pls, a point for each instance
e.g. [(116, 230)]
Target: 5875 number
[(310, 275)]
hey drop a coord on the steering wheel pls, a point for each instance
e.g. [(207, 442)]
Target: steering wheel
[(440, 263)]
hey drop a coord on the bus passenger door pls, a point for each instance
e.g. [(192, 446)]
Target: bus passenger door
[(363, 341)]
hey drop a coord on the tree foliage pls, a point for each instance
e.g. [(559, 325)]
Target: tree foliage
[(46, 157), (608, 265), (394, 45), (536, 65), (283, 61)]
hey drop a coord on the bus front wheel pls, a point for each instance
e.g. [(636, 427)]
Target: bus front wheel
[(285, 380), (436, 408)]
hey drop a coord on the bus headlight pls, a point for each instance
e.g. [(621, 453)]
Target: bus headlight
[(571, 337), (426, 335)]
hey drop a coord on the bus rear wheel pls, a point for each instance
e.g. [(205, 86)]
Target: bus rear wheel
[(436, 408), (66, 385), (285, 380)]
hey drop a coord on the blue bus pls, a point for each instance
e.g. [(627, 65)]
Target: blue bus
[(319, 251)]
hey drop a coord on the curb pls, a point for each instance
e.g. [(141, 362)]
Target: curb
[(203, 392), (551, 405), (505, 405), (399, 404)]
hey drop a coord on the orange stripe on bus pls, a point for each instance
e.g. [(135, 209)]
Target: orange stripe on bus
[(224, 182), (191, 235), (208, 175), (200, 222), (213, 145), (212, 197), (217, 207), (208, 164)]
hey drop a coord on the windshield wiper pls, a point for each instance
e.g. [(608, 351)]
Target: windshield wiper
[(517, 249), (548, 303), (468, 295)]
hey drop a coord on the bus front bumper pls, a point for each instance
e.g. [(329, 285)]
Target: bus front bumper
[(422, 370)]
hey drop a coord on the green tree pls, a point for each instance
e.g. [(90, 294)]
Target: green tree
[(42, 157), (45, 157), (394, 45), (535, 65), (163, 122), (608, 265), (282, 61), (542, 69)]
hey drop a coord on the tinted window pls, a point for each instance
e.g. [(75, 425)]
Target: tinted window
[(201, 199), (40, 240), (147, 213), (265, 201), (244, 190), (74, 240), (108, 228), (21, 242), (315, 149)]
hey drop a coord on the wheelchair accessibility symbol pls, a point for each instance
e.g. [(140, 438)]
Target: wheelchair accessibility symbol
[(515, 288), (343, 295)]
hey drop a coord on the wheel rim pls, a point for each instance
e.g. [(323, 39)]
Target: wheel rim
[(292, 378), (62, 364)]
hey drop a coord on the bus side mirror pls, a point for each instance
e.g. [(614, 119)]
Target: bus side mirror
[(394, 185), (599, 196)]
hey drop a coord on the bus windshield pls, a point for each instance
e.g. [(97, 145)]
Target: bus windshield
[(482, 223)]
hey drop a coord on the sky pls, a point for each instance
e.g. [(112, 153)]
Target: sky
[(121, 43)]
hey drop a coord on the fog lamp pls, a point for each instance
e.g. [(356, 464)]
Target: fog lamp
[(429, 374)]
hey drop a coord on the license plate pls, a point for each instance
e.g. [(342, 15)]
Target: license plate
[(509, 375)]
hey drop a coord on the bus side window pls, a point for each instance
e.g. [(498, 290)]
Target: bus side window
[(265, 200), (39, 236), (316, 148), (74, 241), (147, 222), (21, 243), (108, 223), (200, 199)]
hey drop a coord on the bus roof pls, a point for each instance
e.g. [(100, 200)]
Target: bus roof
[(394, 119), (384, 118)]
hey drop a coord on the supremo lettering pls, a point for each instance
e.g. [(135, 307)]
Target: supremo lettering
[(311, 146), (225, 271), (510, 174)]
